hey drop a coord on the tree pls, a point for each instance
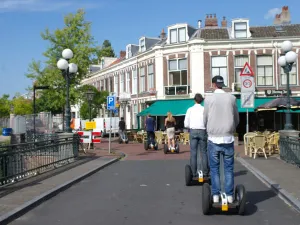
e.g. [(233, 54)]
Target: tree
[(98, 100), (75, 35), (4, 106), (106, 50), (22, 106)]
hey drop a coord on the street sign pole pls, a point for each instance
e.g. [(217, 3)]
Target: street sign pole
[(111, 105), (247, 125), (109, 140)]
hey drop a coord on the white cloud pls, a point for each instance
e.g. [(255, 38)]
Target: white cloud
[(42, 5), (272, 12)]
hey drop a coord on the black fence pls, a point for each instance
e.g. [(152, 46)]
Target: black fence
[(290, 149), (19, 161)]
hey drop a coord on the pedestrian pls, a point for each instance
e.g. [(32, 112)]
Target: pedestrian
[(198, 137), (122, 126), (221, 118), (150, 128), (170, 123)]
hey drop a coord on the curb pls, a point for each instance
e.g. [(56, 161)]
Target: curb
[(22, 209), (282, 193)]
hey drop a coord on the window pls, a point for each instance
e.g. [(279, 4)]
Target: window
[(173, 36), (178, 35), (293, 76), (116, 86), (219, 67), (178, 72), (127, 88), (150, 77), (142, 45), (128, 52), (240, 30), (134, 82), (264, 70), (142, 79), (239, 63), (122, 83)]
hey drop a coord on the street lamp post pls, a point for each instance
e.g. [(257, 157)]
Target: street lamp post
[(34, 110), (286, 62), (68, 70)]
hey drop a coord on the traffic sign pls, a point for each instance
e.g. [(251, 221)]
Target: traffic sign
[(247, 100), (111, 102), (247, 71), (90, 125), (248, 84)]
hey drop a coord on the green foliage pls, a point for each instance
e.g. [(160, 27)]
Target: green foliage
[(75, 35), (99, 98), (106, 50), (4, 106), (22, 106)]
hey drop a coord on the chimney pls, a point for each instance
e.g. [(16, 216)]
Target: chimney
[(122, 54), (224, 22), (211, 20), (162, 34), (199, 23)]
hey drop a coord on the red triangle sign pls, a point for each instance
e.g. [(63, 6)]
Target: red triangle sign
[(247, 71)]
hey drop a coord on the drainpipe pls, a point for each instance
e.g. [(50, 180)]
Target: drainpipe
[(276, 64)]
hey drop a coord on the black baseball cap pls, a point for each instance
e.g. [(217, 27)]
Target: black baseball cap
[(218, 80)]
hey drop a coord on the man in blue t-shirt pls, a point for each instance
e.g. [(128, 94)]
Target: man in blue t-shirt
[(150, 128)]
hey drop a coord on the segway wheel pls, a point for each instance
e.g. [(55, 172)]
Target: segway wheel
[(188, 175), (126, 142), (156, 147), (177, 149), (146, 146), (240, 196), (166, 149), (120, 141), (206, 199)]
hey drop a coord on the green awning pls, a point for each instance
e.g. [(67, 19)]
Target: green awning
[(258, 102), (177, 107)]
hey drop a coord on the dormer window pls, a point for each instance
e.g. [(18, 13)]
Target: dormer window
[(240, 30), (128, 52), (142, 45), (177, 35)]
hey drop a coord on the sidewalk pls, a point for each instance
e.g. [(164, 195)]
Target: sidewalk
[(20, 201), (282, 177)]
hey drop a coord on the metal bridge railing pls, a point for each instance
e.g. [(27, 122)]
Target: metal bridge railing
[(19, 161), (290, 149)]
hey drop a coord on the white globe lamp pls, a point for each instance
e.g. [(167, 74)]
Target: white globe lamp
[(282, 61), (62, 64), (73, 68), (287, 46), (67, 54), (291, 57)]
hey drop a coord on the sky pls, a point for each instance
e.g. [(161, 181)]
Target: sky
[(120, 21)]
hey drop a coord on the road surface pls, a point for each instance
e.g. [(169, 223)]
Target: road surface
[(150, 192)]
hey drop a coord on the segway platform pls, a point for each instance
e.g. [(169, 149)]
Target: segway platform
[(150, 146), (190, 179), (167, 150)]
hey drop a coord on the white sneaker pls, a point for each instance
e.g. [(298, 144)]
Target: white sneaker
[(230, 199), (216, 198)]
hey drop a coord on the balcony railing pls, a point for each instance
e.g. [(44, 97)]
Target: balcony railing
[(177, 90), (290, 149)]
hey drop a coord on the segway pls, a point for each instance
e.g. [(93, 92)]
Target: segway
[(167, 150), (152, 144), (239, 201), (190, 179), (123, 138)]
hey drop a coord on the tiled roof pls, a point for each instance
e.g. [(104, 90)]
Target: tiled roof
[(270, 31), (117, 61), (214, 33)]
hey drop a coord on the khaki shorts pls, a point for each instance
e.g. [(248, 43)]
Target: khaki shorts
[(170, 132)]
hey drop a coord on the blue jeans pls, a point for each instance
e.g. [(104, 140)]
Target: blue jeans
[(214, 160), (198, 145)]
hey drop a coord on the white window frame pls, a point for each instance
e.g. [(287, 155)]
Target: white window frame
[(143, 47), (239, 30), (291, 74), (240, 68), (128, 52), (176, 30), (219, 67), (134, 82), (264, 66), (178, 70), (150, 77), (122, 79), (127, 87), (142, 80), (134, 113)]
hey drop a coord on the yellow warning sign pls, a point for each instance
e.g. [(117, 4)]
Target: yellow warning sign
[(90, 125)]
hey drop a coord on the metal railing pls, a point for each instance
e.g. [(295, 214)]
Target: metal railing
[(290, 149), (19, 161)]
